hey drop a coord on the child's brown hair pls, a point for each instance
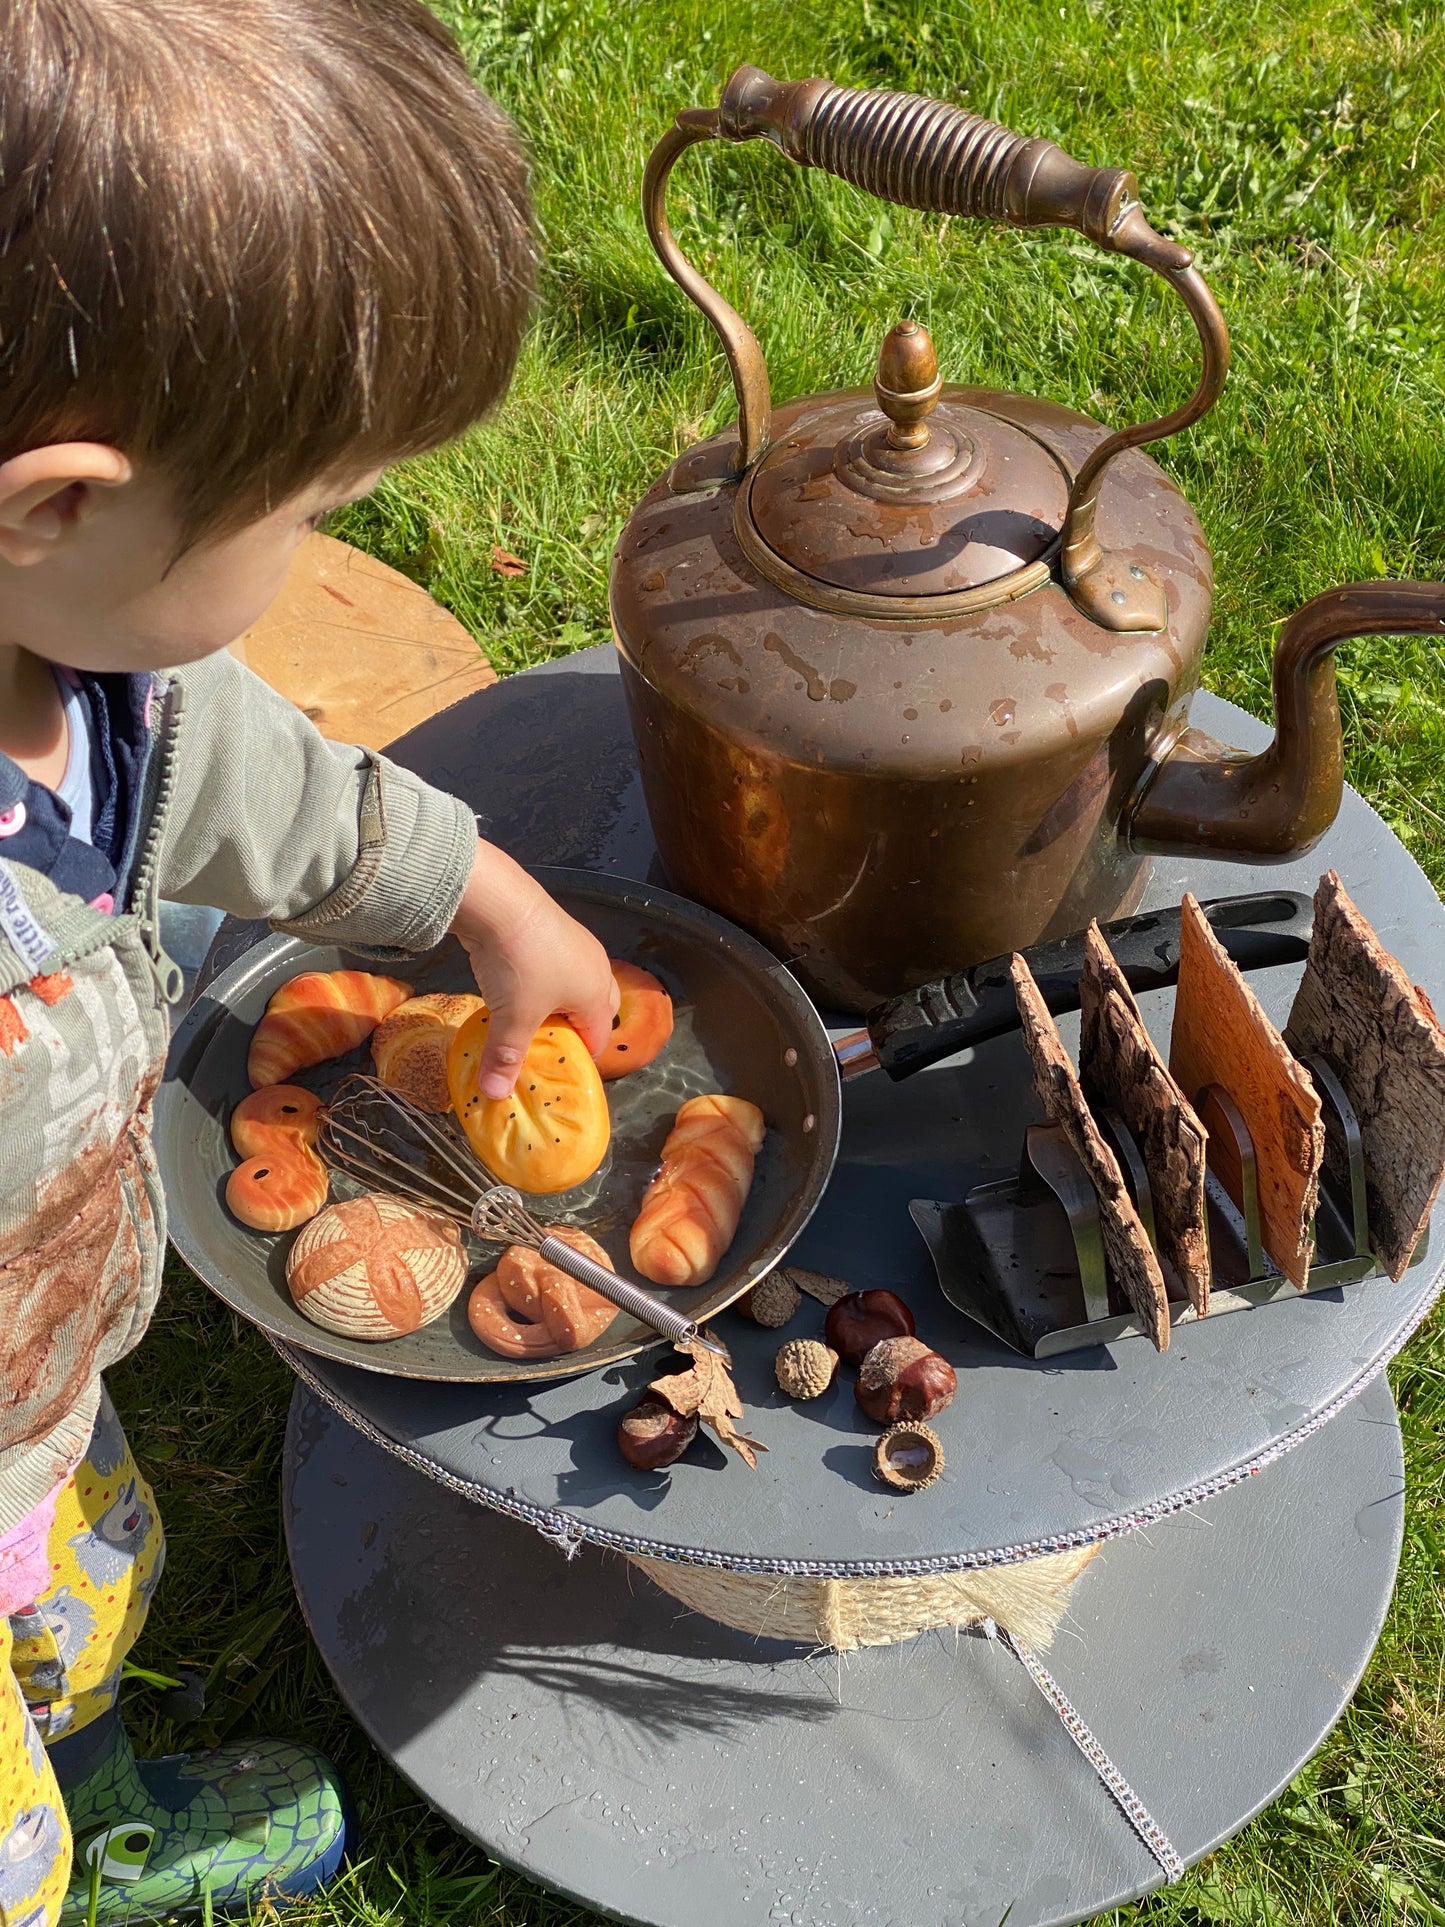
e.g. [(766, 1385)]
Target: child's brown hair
[(250, 242)]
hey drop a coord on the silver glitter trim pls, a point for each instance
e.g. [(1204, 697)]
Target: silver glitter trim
[(564, 1528), (1118, 1788)]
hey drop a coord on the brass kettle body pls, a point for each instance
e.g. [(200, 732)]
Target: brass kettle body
[(909, 669)]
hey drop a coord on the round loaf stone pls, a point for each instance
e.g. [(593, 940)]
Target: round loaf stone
[(375, 1268)]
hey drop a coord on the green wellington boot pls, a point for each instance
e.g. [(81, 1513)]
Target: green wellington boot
[(254, 1816)]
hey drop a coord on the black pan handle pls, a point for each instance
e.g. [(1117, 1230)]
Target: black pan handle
[(918, 1029)]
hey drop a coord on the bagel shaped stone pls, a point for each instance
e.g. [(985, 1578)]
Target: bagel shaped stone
[(643, 1023), (527, 1308)]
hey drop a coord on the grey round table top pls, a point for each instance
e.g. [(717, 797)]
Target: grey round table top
[(572, 1720), (1061, 1450)]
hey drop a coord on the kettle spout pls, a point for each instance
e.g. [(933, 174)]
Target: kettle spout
[(1203, 796)]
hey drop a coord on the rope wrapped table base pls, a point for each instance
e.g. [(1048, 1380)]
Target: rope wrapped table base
[(1028, 1600)]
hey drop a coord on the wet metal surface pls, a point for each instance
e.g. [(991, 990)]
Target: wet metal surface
[(883, 801), (742, 1026), (1004, 508), (641, 1759)]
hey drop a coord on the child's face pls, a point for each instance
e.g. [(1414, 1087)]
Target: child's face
[(90, 577)]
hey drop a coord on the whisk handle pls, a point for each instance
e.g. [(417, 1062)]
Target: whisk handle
[(652, 1311)]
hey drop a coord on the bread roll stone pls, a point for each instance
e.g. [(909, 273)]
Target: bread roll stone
[(409, 1048)]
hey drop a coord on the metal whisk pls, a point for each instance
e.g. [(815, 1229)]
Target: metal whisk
[(387, 1143)]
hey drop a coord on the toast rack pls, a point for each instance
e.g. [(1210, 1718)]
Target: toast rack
[(387, 1143)]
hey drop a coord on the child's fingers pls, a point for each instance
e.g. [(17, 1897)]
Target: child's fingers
[(510, 1031), (513, 1026), (593, 1021), (558, 968)]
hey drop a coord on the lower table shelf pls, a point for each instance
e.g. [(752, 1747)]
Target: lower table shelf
[(649, 1763)]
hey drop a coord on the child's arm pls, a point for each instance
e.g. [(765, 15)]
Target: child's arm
[(340, 846), (529, 959)]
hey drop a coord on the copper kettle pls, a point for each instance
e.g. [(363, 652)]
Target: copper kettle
[(909, 669)]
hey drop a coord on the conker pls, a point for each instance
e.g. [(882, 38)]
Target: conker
[(863, 1319), (901, 1378), (652, 1435)]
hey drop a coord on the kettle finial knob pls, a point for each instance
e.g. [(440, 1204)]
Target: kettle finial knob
[(907, 383)]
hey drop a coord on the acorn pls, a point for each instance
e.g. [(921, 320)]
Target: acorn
[(773, 1301), (909, 1456), (863, 1319), (652, 1435), (805, 1367), (902, 1379)]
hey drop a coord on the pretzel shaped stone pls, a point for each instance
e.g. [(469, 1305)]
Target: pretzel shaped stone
[(527, 1308)]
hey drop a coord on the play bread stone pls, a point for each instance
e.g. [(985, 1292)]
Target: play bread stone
[(1119, 1068), (1357, 1008), (375, 1268)]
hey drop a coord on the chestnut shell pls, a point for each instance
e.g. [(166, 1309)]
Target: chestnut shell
[(902, 1379), (652, 1435)]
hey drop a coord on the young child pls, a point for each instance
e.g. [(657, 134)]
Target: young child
[(250, 252)]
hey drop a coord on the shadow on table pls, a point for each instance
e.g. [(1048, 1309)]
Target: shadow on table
[(393, 1580), (547, 763)]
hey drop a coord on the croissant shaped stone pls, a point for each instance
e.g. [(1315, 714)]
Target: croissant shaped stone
[(320, 1014)]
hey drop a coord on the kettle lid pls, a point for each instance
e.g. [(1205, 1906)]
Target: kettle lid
[(930, 507)]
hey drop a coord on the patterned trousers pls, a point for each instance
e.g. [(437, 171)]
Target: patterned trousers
[(61, 1656)]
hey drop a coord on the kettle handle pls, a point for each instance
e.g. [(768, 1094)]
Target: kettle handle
[(926, 154)]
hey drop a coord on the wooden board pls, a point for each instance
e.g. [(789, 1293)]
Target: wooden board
[(1130, 1256), (1222, 1036), (1357, 1008), (364, 652), (1120, 1068)]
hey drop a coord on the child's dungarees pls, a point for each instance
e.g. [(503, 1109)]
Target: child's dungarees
[(77, 1574), (211, 789)]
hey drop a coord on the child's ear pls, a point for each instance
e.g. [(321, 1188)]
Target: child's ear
[(46, 493)]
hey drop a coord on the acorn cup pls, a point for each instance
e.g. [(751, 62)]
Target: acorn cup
[(909, 1456)]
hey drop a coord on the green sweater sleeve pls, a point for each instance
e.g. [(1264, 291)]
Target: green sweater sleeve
[(326, 841)]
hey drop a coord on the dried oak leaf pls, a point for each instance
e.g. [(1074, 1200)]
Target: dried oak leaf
[(707, 1389), (507, 564)]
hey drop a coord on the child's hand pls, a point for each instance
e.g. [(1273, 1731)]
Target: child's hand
[(529, 959)]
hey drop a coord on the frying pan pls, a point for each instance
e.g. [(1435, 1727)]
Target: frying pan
[(743, 1025)]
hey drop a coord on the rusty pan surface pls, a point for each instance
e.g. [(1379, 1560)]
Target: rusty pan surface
[(740, 1017)]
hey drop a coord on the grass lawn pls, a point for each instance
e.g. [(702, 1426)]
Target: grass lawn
[(1299, 146)]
